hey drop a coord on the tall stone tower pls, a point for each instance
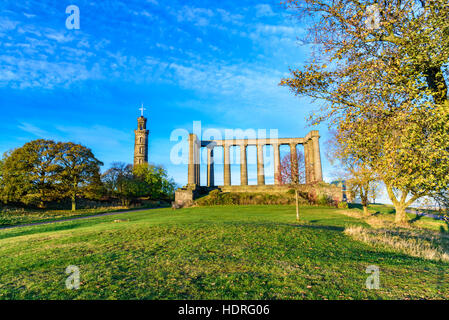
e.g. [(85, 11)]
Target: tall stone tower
[(141, 141)]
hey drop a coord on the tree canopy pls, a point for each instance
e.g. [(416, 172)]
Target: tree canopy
[(381, 71), (127, 183), (42, 171), (77, 169)]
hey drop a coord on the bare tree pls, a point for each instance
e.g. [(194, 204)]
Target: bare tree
[(293, 174)]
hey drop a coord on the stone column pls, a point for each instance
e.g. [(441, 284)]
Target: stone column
[(277, 164), (294, 163), (243, 166), (260, 169), (318, 173), (197, 161), (226, 166), (210, 166), (191, 166), (308, 159)]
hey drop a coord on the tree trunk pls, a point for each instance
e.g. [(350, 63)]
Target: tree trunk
[(364, 200), (41, 204), (401, 215), (75, 186), (365, 210), (297, 205), (74, 202)]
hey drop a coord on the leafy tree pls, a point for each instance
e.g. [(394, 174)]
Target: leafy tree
[(158, 184), (29, 173), (128, 183), (375, 190), (113, 178), (384, 87), (2, 181), (77, 168), (120, 182), (361, 180), (359, 177)]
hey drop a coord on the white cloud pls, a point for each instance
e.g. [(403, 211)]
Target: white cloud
[(281, 30), (25, 73), (7, 24), (198, 16), (59, 37), (29, 15), (226, 16), (38, 132), (264, 10)]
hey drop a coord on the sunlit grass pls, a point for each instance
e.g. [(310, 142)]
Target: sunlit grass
[(230, 252)]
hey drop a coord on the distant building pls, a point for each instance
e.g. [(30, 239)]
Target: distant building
[(141, 141), (346, 194)]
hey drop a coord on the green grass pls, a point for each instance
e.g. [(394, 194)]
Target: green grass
[(21, 216), (387, 213), (229, 252)]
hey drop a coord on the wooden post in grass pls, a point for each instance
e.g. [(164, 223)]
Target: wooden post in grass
[(297, 204)]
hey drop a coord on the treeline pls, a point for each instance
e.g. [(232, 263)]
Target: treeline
[(45, 171), (127, 183)]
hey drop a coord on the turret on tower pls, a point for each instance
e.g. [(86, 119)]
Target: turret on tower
[(141, 141)]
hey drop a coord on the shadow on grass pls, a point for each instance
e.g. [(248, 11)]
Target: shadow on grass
[(445, 230), (355, 206), (416, 218), (45, 228), (319, 227)]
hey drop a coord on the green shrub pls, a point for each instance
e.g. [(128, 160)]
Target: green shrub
[(323, 200), (216, 197), (342, 205)]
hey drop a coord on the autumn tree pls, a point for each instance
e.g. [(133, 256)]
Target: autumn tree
[(77, 169), (375, 191), (360, 179), (381, 72), (29, 173)]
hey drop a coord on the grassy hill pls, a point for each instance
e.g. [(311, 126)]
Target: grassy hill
[(229, 252)]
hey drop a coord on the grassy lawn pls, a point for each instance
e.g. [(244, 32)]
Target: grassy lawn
[(387, 213), (229, 252), (21, 216)]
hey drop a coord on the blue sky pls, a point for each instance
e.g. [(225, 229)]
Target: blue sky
[(218, 62)]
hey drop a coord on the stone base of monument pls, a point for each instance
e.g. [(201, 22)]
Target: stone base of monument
[(185, 197)]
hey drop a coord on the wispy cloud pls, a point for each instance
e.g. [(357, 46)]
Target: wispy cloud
[(36, 131), (264, 10)]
